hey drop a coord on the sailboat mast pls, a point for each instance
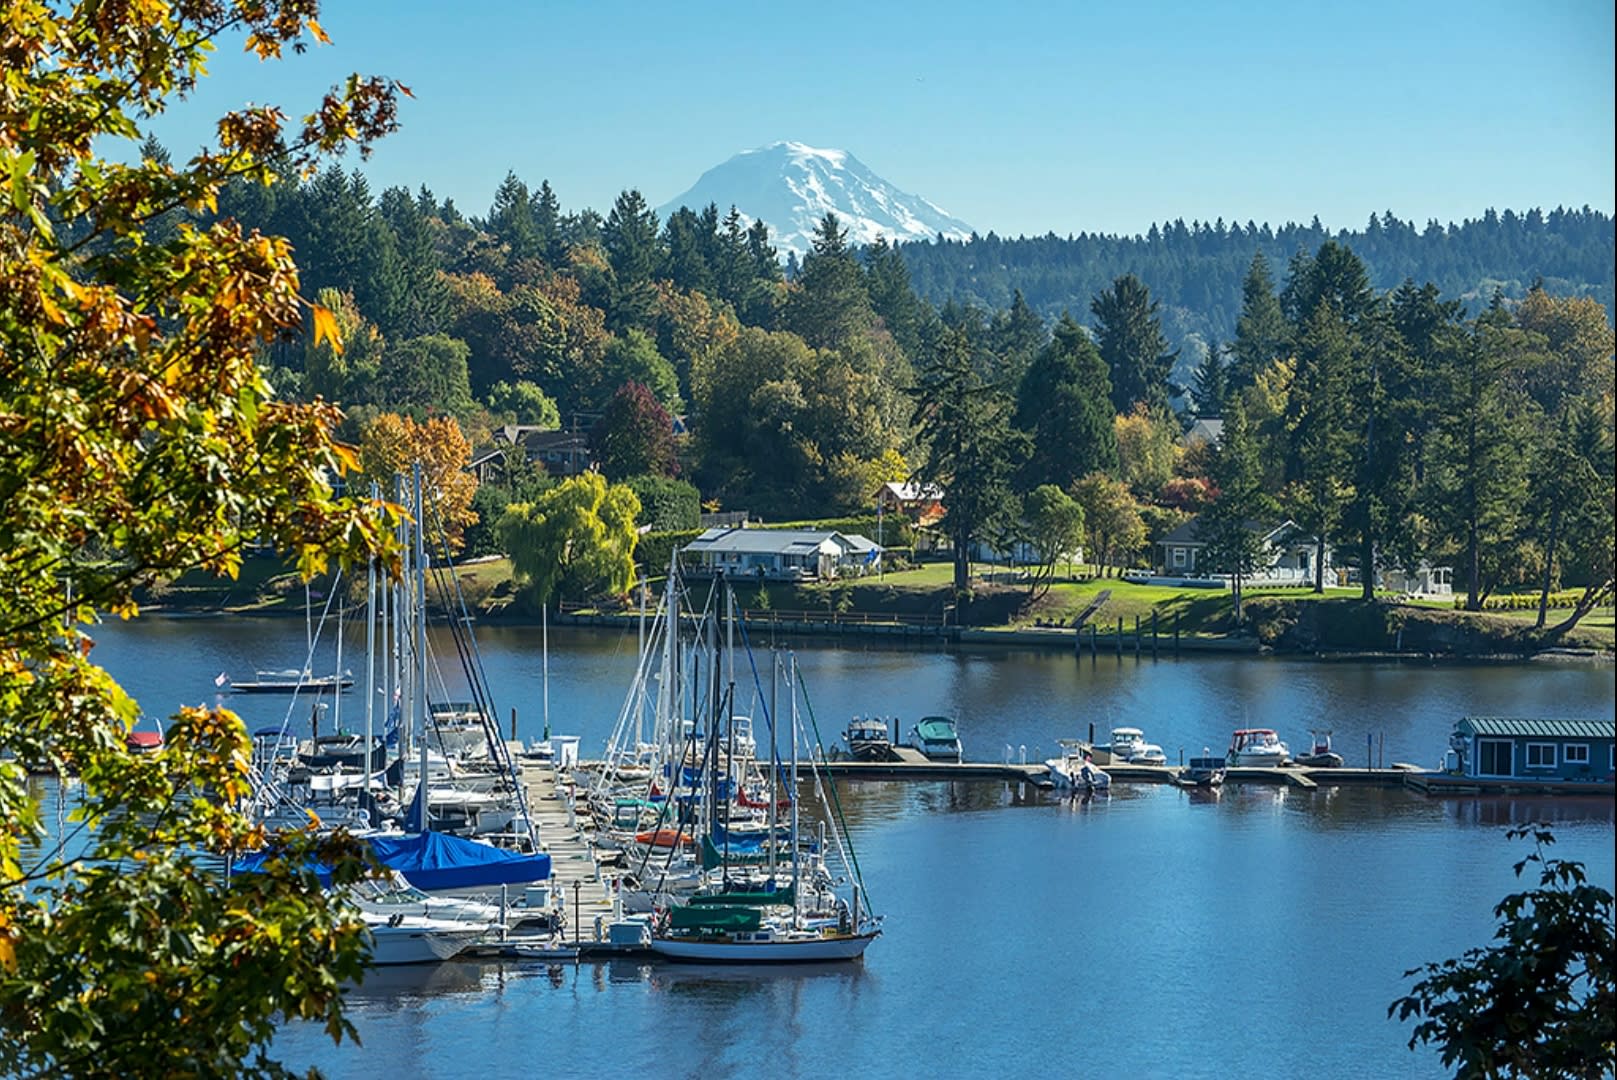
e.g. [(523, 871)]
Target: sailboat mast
[(370, 662), (544, 662), (791, 688), (422, 711), (336, 692), (774, 760)]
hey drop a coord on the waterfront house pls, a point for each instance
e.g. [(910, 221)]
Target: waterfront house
[(1520, 748), (1288, 558), (781, 554), (1206, 429), (921, 503)]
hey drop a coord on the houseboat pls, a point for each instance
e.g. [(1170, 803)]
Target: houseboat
[(1492, 753)]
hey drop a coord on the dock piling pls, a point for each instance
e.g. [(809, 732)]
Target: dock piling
[(1136, 637), (1120, 637), (1153, 633), (1176, 635)]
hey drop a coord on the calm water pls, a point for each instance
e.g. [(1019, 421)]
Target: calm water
[(1157, 933)]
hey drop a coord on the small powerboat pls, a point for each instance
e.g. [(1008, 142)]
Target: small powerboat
[(868, 739), (1256, 746), (1147, 753), (936, 737), (1321, 756), (1206, 771)]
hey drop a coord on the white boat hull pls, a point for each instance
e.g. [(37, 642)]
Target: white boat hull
[(406, 944), (803, 950)]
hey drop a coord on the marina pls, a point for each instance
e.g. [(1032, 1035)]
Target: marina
[(1315, 833)]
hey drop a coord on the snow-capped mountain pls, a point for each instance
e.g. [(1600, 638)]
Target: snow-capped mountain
[(790, 187)]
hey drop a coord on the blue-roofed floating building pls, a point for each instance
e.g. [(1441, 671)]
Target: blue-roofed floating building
[(1506, 753)]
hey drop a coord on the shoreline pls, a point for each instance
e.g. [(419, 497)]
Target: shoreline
[(1046, 639)]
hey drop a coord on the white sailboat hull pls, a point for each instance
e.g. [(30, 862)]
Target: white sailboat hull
[(802, 950)]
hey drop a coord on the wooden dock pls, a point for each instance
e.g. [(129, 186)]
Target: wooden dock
[(565, 837), (911, 765)]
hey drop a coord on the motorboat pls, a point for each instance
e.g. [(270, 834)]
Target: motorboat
[(1076, 768), (1205, 771), (1256, 746), (1321, 756), (936, 737), (291, 681), (144, 742), (402, 938), (868, 739), (1147, 753), (1124, 742)]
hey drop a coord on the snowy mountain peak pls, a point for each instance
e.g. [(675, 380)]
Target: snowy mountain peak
[(791, 186)]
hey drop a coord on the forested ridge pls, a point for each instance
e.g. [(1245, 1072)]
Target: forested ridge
[(1195, 270), (1404, 396)]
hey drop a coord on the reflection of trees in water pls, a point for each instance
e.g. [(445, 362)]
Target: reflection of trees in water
[(1526, 809)]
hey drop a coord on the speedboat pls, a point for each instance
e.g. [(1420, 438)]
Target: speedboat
[(1124, 741), (868, 739), (1321, 756), (401, 938), (1147, 753), (1205, 771), (936, 737), (1256, 746), (1076, 768)]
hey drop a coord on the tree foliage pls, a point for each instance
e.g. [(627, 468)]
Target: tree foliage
[(391, 446), (634, 435), (142, 440), (577, 539), (1055, 529), (1540, 1001)]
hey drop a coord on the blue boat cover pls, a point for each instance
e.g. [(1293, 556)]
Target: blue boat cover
[(434, 860)]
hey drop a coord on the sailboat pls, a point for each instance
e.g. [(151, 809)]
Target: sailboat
[(793, 916)]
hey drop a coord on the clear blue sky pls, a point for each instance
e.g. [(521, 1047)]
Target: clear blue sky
[(1018, 117)]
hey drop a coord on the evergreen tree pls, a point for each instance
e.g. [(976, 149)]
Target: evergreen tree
[(1225, 526), (630, 239), (545, 209), (423, 306), (1210, 384), (887, 280), (1260, 332), (1321, 442), (687, 252), (1064, 404), (510, 219), (1014, 336), (972, 450), (830, 307), (1129, 333)]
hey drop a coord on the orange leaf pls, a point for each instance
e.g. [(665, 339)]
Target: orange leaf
[(325, 326)]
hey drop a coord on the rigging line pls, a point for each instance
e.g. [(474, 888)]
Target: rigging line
[(479, 673), (758, 693), (261, 781), (836, 799)]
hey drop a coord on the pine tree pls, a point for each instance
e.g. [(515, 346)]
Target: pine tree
[(1131, 342), (1225, 526), (630, 239), (1015, 335), (545, 209), (1321, 442), (1064, 404), (887, 280), (1210, 383), (830, 307), (1260, 332), (510, 219), (972, 450)]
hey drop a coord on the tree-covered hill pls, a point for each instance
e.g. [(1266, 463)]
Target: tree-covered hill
[(1196, 270)]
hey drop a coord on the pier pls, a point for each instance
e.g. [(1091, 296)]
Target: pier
[(911, 765)]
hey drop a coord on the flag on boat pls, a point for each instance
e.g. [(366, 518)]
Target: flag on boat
[(220, 679)]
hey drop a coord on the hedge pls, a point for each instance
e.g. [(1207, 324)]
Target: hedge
[(1525, 601)]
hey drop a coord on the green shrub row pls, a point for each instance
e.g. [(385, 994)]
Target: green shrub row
[(1524, 601)]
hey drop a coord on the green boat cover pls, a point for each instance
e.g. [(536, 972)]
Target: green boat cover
[(743, 899), (936, 728), (715, 917)]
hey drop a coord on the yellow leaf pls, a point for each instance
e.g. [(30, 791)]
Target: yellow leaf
[(325, 327), (318, 32)]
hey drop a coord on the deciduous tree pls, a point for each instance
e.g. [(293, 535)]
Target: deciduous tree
[(141, 440), (634, 435), (577, 539), (392, 446)]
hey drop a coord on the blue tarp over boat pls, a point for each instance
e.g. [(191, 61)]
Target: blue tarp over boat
[(434, 860)]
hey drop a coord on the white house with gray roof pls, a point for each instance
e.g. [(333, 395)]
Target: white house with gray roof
[(781, 554)]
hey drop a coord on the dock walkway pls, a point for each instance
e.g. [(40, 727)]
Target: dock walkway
[(574, 873)]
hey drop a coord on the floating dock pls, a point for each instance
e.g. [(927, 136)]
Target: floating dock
[(913, 766)]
